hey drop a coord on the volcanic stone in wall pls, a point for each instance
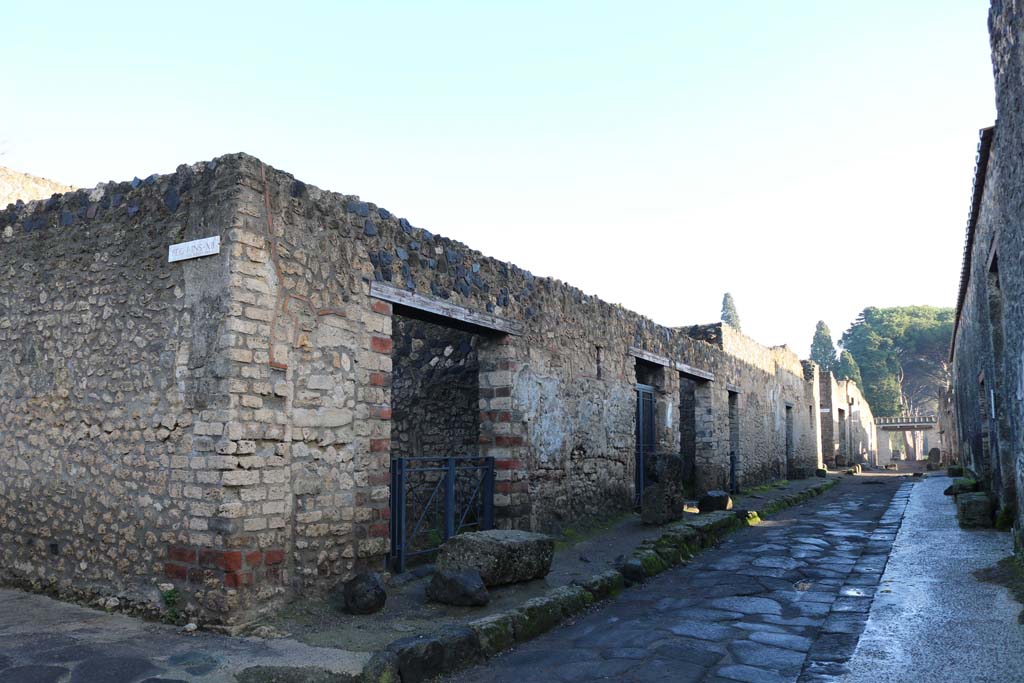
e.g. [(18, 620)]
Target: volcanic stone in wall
[(435, 390)]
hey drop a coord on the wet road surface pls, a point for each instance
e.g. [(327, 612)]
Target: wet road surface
[(932, 620), (781, 602)]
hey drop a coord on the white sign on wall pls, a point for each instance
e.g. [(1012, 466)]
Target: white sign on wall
[(184, 251)]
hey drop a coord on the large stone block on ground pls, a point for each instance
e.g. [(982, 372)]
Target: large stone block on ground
[(662, 504), (363, 594), (715, 500), (464, 588), (974, 510), (501, 557), (960, 486)]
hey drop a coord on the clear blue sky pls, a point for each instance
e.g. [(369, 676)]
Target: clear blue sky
[(813, 158)]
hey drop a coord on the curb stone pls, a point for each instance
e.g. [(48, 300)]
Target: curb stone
[(419, 658), (678, 543)]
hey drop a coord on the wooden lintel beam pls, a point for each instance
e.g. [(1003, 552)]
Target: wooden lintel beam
[(664, 361), (695, 372), (445, 309)]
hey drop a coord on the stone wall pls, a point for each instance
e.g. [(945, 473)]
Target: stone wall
[(280, 377), (848, 434), (435, 390), (114, 393), (988, 346), (16, 186)]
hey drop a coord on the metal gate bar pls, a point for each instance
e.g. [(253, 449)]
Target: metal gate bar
[(435, 498), (645, 437)]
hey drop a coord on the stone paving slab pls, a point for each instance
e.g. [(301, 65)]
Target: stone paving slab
[(44, 640), (759, 607)]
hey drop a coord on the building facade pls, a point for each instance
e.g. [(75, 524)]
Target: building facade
[(229, 422), (987, 353)]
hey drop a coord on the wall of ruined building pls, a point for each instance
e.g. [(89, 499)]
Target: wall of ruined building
[(435, 390), (848, 434), (861, 446), (557, 405), (114, 378), (251, 395), (768, 379), (988, 352)]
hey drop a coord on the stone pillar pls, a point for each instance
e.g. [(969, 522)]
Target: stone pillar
[(503, 434), (706, 437), (884, 450)]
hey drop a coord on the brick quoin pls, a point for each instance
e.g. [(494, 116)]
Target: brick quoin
[(254, 559), (178, 553), (175, 571), (238, 579), (508, 441), (382, 307), (228, 560), (380, 412), (379, 530), (510, 464), (381, 344), (380, 445), (379, 379), (272, 557)]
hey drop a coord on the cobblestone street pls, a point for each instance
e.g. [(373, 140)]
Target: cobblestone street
[(783, 601)]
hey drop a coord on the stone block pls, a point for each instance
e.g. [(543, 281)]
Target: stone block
[(974, 510), (603, 585), (496, 633), (500, 556), (715, 500), (661, 504), (961, 486), (420, 658), (464, 588), (461, 648), (363, 594)]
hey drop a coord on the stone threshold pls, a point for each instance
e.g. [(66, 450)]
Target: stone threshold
[(452, 648)]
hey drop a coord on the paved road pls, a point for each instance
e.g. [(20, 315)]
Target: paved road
[(46, 641), (781, 602), (932, 620)]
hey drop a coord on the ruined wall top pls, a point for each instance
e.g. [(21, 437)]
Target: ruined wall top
[(396, 252)]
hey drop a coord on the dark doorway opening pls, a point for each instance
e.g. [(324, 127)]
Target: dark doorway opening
[(734, 442), (440, 485), (1000, 424), (842, 457), (688, 419), (789, 442), (649, 381), (646, 443)]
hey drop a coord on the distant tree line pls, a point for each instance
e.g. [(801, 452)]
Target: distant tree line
[(897, 356)]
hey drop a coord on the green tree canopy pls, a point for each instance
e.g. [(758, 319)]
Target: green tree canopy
[(901, 353), (729, 314), (823, 351), (848, 369)]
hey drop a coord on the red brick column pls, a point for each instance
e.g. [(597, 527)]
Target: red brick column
[(503, 434)]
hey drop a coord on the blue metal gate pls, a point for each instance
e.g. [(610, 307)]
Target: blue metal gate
[(435, 498), (645, 438)]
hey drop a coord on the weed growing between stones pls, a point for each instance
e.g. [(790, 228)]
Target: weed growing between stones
[(171, 599)]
